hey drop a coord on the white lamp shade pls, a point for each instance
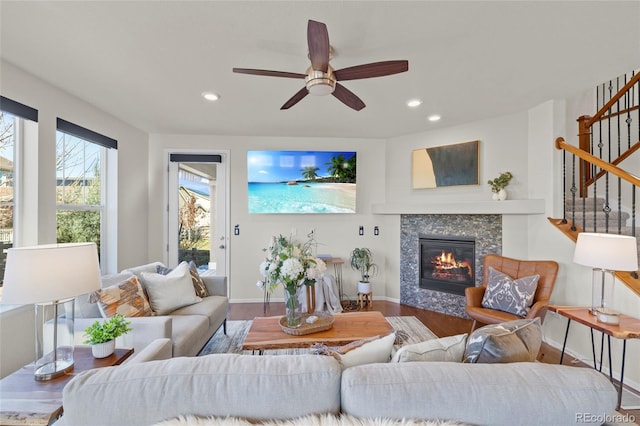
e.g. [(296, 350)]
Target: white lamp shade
[(47, 273), (607, 251)]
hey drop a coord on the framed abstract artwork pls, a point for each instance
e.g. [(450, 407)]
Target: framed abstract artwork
[(448, 165)]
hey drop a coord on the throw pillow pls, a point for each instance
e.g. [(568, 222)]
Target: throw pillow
[(503, 293), (512, 341), (447, 349), (170, 292), (126, 298), (198, 285), (367, 351)]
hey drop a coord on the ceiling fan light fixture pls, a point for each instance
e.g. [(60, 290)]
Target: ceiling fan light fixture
[(320, 83)]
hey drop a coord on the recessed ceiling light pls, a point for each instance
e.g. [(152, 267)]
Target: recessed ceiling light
[(412, 103), (434, 117), (210, 96)]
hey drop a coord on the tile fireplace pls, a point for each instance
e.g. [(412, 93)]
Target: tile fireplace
[(482, 231)]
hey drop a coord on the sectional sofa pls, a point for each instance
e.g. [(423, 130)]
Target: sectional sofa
[(188, 328), (292, 386)]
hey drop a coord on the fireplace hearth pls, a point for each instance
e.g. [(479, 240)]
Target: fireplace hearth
[(447, 264)]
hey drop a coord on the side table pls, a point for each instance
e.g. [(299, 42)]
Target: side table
[(26, 401), (365, 299), (629, 328)]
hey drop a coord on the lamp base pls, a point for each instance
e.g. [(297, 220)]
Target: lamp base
[(608, 316), (53, 369)]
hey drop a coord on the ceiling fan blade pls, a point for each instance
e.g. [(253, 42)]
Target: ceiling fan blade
[(269, 73), (375, 69), (318, 41), (295, 98), (348, 98)]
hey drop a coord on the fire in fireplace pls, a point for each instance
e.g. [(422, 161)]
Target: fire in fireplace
[(447, 264)]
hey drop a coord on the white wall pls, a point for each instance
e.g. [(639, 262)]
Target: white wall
[(52, 103), (337, 234), (503, 147), (17, 331), (573, 285)]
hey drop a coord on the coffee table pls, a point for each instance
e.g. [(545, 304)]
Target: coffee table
[(265, 332)]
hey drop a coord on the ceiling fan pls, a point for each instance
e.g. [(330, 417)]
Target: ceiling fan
[(322, 79)]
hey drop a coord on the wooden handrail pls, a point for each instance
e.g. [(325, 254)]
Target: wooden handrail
[(614, 99), (561, 144), (635, 147)]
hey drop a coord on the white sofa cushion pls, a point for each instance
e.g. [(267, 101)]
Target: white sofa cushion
[(137, 270), (448, 349), (170, 292), (522, 393), (257, 387)]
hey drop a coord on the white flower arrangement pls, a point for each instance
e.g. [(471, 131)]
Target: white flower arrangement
[(291, 264)]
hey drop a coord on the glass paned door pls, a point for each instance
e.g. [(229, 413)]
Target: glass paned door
[(197, 213)]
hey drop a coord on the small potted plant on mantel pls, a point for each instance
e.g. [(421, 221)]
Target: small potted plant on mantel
[(361, 260), (499, 184), (102, 335)]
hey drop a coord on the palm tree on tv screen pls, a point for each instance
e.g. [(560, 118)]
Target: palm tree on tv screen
[(341, 169), (310, 172)]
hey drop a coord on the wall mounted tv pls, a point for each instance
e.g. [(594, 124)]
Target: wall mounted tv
[(301, 181)]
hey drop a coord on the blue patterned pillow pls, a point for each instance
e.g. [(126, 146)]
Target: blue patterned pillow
[(503, 293), (163, 270)]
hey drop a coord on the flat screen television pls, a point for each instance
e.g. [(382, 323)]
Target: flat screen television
[(301, 182)]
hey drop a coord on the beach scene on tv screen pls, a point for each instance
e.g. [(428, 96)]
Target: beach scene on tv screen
[(301, 181)]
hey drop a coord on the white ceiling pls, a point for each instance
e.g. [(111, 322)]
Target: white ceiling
[(147, 62)]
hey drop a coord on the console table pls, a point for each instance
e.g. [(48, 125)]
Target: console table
[(26, 401), (629, 328)]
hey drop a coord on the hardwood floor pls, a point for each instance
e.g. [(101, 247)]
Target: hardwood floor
[(441, 324)]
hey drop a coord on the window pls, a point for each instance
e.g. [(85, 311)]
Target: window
[(8, 144), (81, 193), (12, 122)]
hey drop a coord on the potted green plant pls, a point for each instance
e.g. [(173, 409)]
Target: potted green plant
[(361, 260), (499, 184), (102, 335)]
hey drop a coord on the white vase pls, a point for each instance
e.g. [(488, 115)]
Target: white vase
[(494, 196), (103, 350), (364, 288), (502, 194)]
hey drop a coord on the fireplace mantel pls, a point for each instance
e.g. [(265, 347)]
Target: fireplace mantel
[(506, 207)]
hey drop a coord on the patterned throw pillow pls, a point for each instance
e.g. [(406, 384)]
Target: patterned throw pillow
[(511, 341), (503, 293), (127, 299), (198, 285)]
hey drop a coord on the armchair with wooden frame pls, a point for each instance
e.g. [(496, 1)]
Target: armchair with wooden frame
[(548, 271)]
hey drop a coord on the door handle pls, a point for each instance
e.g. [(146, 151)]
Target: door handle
[(221, 246)]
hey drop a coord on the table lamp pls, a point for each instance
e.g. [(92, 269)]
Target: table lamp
[(50, 276), (605, 253)]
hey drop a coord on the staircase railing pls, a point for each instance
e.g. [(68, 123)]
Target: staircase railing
[(601, 191), (611, 127)]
